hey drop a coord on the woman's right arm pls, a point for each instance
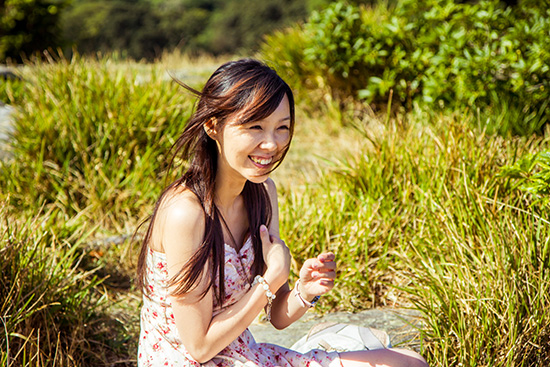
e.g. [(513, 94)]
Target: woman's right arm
[(180, 231)]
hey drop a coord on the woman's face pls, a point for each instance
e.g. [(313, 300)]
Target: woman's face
[(249, 151)]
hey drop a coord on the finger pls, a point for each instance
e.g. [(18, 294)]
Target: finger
[(329, 283), (326, 266), (310, 264), (327, 256), (264, 234), (322, 267), (323, 275), (321, 286)]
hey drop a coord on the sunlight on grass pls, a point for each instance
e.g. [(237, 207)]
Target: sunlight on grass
[(424, 210)]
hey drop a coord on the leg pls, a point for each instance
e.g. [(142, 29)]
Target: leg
[(382, 357)]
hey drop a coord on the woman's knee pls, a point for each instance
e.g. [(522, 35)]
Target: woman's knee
[(413, 358)]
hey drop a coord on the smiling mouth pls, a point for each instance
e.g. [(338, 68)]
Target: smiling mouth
[(261, 161)]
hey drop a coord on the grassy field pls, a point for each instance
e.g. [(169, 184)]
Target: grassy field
[(424, 210)]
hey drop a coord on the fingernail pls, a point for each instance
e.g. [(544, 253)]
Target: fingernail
[(263, 228)]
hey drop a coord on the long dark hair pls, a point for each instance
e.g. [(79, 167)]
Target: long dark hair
[(253, 90)]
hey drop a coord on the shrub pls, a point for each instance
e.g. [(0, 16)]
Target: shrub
[(144, 29), (441, 53), (29, 26), (284, 50), (238, 25), (128, 27), (483, 54), (530, 174)]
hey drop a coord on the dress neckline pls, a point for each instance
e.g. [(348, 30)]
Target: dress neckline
[(247, 244)]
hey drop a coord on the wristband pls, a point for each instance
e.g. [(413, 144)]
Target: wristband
[(301, 299)]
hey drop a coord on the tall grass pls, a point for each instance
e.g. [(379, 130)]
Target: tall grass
[(91, 137), (482, 277), (47, 302), (424, 210), (425, 219)]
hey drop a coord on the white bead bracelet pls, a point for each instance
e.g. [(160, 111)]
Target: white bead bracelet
[(270, 296)]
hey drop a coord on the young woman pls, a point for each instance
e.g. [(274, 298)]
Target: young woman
[(212, 257)]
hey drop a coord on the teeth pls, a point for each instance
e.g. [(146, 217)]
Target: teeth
[(262, 161)]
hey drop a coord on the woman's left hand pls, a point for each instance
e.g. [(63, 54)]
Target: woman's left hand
[(317, 275)]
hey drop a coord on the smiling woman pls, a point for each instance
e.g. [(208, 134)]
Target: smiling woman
[(212, 257), (251, 149)]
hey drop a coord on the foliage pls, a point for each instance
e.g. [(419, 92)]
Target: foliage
[(423, 218), (87, 139), (105, 26), (144, 29), (284, 50), (442, 53), (28, 26), (531, 173), (239, 23), (47, 301)]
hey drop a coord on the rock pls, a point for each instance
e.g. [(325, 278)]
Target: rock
[(6, 128), (6, 73), (401, 324)]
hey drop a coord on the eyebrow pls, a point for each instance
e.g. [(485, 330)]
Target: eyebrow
[(255, 121)]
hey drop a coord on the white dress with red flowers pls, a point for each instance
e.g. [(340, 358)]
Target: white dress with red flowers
[(160, 344)]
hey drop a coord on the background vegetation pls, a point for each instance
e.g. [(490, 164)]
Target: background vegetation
[(29, 26), (143, 28), (439, 53), (432, 192)]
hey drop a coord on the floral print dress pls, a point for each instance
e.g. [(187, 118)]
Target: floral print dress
[(160, 344)]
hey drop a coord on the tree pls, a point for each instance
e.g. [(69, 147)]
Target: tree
[(28, 27), (240, 24), (130, 27)]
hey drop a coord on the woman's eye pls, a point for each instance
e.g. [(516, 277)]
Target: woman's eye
[(284, 127), (255, 127)]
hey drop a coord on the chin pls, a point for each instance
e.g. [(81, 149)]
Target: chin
[(258, 179)]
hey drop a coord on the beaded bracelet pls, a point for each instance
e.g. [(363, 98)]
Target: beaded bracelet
[(301, 299), (270, 296)]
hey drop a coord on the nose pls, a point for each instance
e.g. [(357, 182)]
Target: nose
[(269, 142)]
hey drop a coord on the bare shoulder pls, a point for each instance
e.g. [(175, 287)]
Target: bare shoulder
[(180, 206), (272, 192), (179, 222), (271, 188)]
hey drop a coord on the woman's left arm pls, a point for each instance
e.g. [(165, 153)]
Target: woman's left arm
[(316, 277)]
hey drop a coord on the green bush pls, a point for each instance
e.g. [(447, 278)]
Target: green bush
[(29, 26), (238, 25), (441, 53), (531, 174), (483, 54), (128, 27), (146, 28)]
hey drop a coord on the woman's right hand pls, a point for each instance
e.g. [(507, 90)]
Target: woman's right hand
[(276, 256)]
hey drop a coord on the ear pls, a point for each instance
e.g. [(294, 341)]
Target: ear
[(210, 127)]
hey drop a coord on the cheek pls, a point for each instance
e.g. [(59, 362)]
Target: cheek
[(238, 152), (284, 139)]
